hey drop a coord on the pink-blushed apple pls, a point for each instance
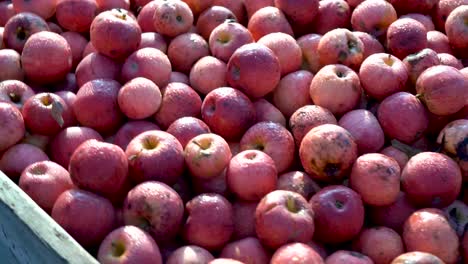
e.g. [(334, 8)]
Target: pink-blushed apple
[(99, 96), (139, 98), (417, 256), (450, 60), (340, 46), (244, 219), (413, 6), (266, 111), (96, 66), (236, 7), (307, 117), (216, 184), (254, 167), (246, 250), (299, 182), (227, 37), (287, 50), (10, 65), (156, 208), (370, 43), (172, 18), (189, 254), (87, 217), (438, 42), (292, 92), (179, 77), (20, 27), (43, 8), (129, 244), (251, 6), (267, 20), (155, 147), (145, 17), (46, 57), (44, 182), (6, 12), (211, 18), (15, 159), (186, 128), (420, 61), (153, 40), (209, 222), (282, 217), (131, 129), (265, 136), (299, 12), (207, 155), (398, 155), (391, 245), (99, 167), (216, 112), (338, 214), (207, 74), (426, 20), (373, 17), (77, 44), (296, 253), (401, 30), (15, 92), (456, 27), (76, 15), (442, 10), (309, 44), (186, 49), (105, 5), (331, 14)]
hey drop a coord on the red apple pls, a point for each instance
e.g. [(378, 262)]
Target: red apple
[(267, 20), (207, 74), (340, 46), (129, 244), (442, 10), (186, 128), (227, 37), (371, 44), (413, 6), (299, 12), (153, 40), (145, 17), (381, 244), (456, 27), (6, 12), (420, 61), (76, 15), (267, 112), (331, 14), (246, 250), (307, 117), (211, 18), (426, 20), (44, 8), (20, 27), (172, 18), (179, 77), (373, 17), (309, 44), (77, 44), (105, 5), (156, 208), (189, 254), (287, 50), (18, 157), (417, 256), (438, 42), (244, 219), (15, 92), (44, 182), (299, 182), (398, 155), (450, 60), (349, 257), (236, 7), (131, 129), (296, 253), (186, 49), (400, 31), (96, 66), (251, 6), (10, 65), (139, 98), (87, 217)]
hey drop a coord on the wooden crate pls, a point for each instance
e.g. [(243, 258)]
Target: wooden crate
[(29, 235)]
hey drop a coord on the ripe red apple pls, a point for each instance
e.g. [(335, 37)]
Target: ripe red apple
[(456, 27), (44, 182), (427, 230), (129, 244), (266, 20), (401, 30), (186, 49), (450, 60), (349, 257), (6, 12), (153, 40), (77, 44), (296, 253), (227, 37), (413, 6), (209, 222), (338, 214), (382, 74), (403, 117), (178, 100), (371, 44), (131, 129), (54, 28), (443, 89), (299, 182), (236, 7), (15, 92), (282, 217), (216, 184), (105, 5), (179, 77), (139, 98), (207, 74), (244, 219), (217, 112), (254, 167), (418, 62), (96, 66), (76, 15), (225, 261), (299, 12), (431, 179), (332, 14), (15, 159), (381, 244), (145, 17), (442, 10), (47, 114), (44, 8), (211, 18), (99, 96), (438, 42), (186, 128), (287, 50), (309, 44), (417, 256), (155, 147), (189, 254), (207, 155), (307, 117), (426, 20), (99, 167), (156, 208), (251, 6), (10, 65), (46, 57), (365, 129), (172, 18), (340, 46), (197, 6), (267, 112), (87, 217), (373, 17), (246, 250), (115, 33), (398, 155), (20, 27)]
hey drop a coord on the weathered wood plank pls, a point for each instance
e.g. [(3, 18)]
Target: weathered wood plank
[(30, 235)]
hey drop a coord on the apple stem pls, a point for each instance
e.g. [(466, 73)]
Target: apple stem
[(408, 150)]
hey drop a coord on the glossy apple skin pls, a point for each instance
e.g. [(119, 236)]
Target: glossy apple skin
[(207, 155), (226, 38), (15, 92), (346, 256), (210, 221), (426, 20), (247, 250), (156, 208), (66, 141), (96, 66), (99, 96), (152, 147), (365, 129), (211, 18), (10, 65), (383, 74), (419, 230), (450, 60), (254, 69), (282, 217), (137, 246), (296, 253), (402, 29), (341, 46), (216, 112), (20, 27), (403, 117), (260, 23), (254, 167), (87, 217), (443, 88), (327, 152), (46, 57), (99, 167), (307, 117), (340, 222), (186, 128), (445, 179), (391, 245), (172, 18), (76, 16), (131, 129), (419, 257), (309, 44), (187, 254), (115, 33)]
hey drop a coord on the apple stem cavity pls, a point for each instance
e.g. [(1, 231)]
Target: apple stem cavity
[(118, 249), (291, 205), (14, 97)]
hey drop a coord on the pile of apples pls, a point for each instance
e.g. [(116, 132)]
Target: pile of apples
[(242, 131)]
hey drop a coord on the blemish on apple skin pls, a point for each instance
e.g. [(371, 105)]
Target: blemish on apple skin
[(235, 73)]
